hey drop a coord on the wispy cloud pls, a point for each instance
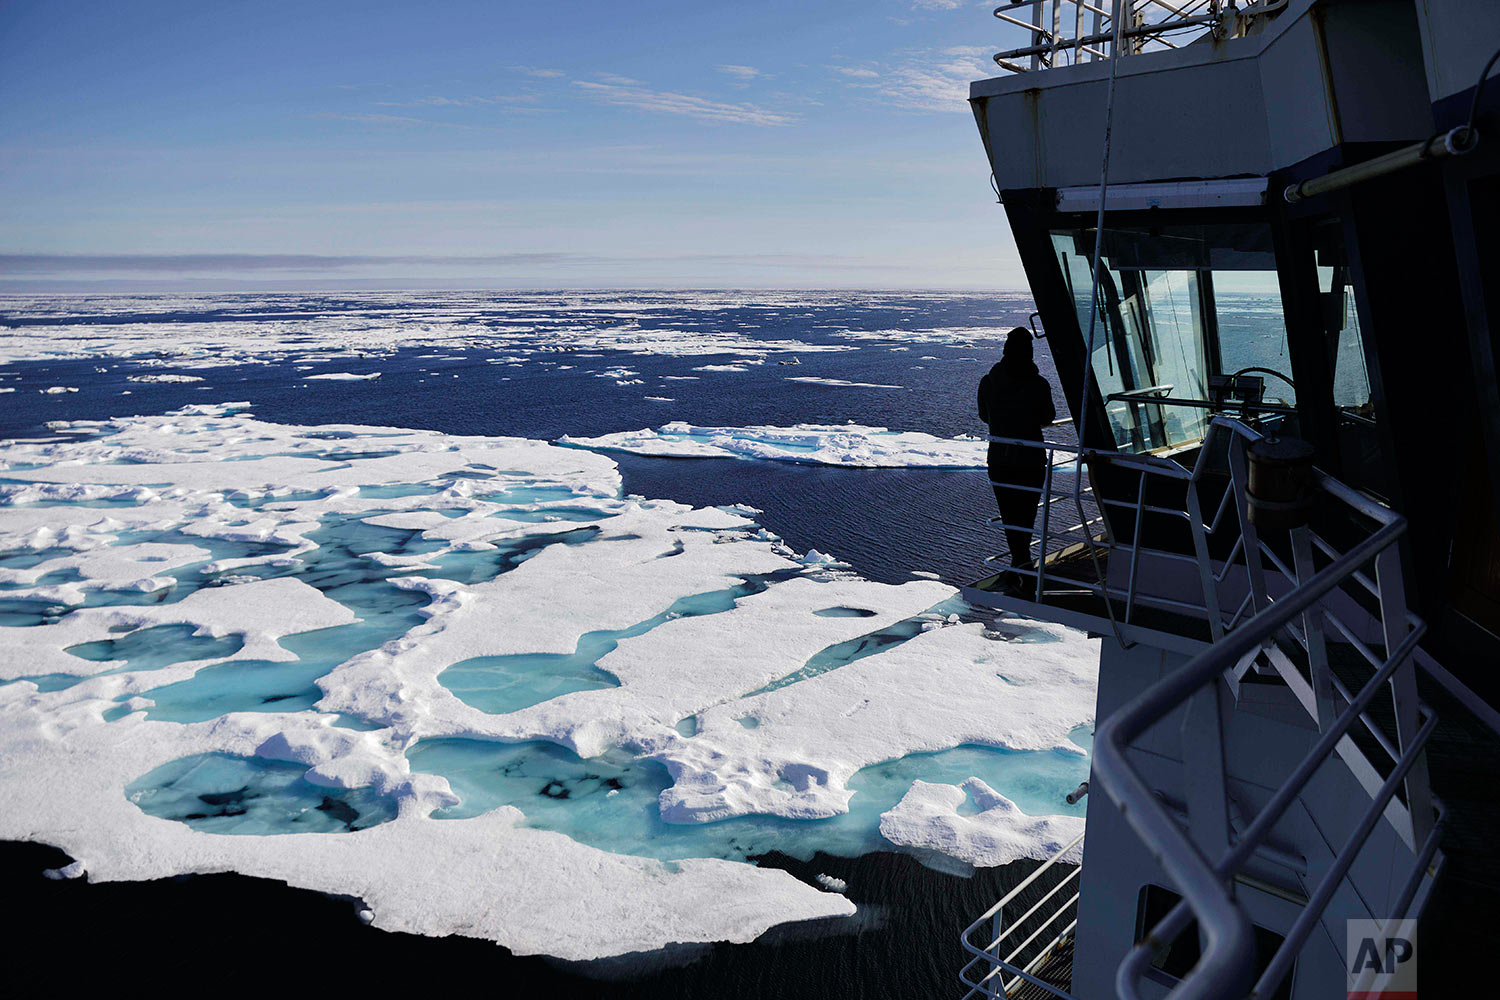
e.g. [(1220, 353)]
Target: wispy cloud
[(17, 264), (935, 80), (384, 119), (666, 102), (618, 81), (187, 263), (740, 72), (537, 71), (507, 101)]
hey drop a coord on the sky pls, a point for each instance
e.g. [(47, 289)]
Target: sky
[(323, 144)]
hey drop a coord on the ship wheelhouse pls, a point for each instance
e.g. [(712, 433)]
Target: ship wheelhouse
[(1297, 265)]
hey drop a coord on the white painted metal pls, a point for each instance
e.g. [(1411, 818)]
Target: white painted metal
[(987, 958)]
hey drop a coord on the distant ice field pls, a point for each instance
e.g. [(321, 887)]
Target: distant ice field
[(377, 615), (580, 364)]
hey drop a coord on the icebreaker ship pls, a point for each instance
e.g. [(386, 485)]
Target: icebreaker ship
[(1263, 246)]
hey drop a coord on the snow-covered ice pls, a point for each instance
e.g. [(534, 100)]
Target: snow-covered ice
[(474, 592), (814, 380), (812, 444), (166, 379), (997, 833)]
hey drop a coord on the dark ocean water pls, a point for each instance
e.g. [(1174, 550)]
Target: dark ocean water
[(886, 523)]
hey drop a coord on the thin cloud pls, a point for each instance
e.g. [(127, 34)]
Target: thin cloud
[(618, 80), (510, 104), (929, 81), (746, 73), (538, 72), (383, 119), (668, 103), (14, 264), (192, 263)]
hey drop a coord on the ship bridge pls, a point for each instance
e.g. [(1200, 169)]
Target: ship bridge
[(1262, 243)]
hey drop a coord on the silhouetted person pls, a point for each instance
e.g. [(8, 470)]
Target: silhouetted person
[(1016, 401)]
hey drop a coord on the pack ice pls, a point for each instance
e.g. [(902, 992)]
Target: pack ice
[(468, 681)]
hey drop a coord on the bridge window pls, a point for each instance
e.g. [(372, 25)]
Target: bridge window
[(1190, 323)]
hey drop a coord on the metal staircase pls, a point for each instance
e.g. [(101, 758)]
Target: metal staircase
[(1328, 624)]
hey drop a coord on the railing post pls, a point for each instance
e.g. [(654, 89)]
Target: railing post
[(1205, 567), (1036, 35), (1403, 687), (995, 985), (1239, 479), (1135, 549), (1056, 30), (1312, 629), (1077, 33), (1041, 556)]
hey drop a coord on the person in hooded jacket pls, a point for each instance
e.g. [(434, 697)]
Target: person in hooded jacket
[(1016, 402)]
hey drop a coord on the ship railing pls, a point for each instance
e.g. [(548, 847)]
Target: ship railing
[(1248, 563), (1087, 33), (1227, 967), (1293, 600), (999, 965), (1222, 456)]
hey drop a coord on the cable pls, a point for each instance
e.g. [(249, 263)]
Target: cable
[(1484, 76), (1088, 357)]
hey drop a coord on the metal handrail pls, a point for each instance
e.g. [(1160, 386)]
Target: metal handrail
[(1300, 610), (1145, 23), (990, 953), (1240, 435), (1226, 963)]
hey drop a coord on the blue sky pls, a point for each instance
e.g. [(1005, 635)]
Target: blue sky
[(504, 144)]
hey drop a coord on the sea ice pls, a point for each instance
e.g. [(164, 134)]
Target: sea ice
[(813, 444), (326, 583), (165, 379), (928, 817), (831, 883), (812, 736), (813, 380)]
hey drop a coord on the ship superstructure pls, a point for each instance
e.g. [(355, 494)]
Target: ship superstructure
[(1263, 245)]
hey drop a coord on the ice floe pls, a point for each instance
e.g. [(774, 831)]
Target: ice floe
[(929, 818), (943, 688), (814, 380), (439, 592), (165, 379), (814, 444)]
